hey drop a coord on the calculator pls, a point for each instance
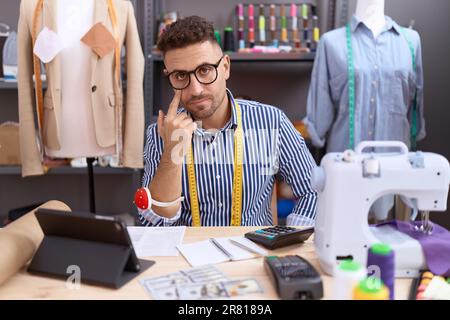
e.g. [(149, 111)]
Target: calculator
[(279, 236), (294, 277)]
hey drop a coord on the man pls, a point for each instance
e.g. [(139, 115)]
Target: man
[(213, 162)]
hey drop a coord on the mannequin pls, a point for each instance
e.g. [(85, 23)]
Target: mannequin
[(371, 12), (77, 132), (82, 113), (385, 101)]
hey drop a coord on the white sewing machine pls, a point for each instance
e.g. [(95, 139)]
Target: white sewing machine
[(349, 183)]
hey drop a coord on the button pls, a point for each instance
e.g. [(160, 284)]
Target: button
[(94, 88), (376, 67), (220, 204), (372, 100), (374, 83), (370, 133), (217, 177), (371, 116)]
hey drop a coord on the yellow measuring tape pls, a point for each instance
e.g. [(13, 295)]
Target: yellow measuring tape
[(236, 210), (37, 70), (37, 67), (113, 15)]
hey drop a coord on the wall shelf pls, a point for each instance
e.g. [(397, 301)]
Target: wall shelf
[(66, 170), (8, 85), (12, 85), (259, 57)]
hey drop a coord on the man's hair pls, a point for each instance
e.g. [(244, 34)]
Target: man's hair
[(185, 32)]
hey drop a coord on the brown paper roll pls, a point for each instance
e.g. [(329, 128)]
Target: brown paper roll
[(20, 239)]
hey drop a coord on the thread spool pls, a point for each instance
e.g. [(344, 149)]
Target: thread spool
[(241, 39), (241, 23), (228, 40), (316, 36), (218, 38), (251, 10), (305, 34), (240, 10), (348, 274), (262, 25), (294, 16), (305, 11), (382, 257), (371, 289), (305, 24)]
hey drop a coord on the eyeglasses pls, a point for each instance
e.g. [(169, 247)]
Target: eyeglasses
[(205, 74)]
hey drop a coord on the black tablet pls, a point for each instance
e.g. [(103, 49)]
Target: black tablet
[(100, 245)]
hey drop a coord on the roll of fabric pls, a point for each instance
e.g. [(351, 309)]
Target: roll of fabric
[(20, 239)]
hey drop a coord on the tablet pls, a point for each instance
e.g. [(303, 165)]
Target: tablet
[(101, 244)]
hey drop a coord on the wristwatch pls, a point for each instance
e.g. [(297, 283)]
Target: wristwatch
[(143, 200)]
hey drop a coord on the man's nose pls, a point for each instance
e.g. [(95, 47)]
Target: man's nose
[(195, 87)]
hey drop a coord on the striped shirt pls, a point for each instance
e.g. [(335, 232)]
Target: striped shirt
[(272, 146)]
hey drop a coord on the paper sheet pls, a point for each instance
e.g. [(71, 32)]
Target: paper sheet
[(156, 241), (205, 252)]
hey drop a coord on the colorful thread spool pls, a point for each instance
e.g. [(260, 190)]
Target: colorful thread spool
[(371, 288), (347, 275), (228, 40), (382, 257), (218, 38)]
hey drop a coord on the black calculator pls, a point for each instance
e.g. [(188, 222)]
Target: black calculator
[(279, 236)]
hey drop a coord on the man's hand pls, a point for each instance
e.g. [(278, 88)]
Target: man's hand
[(173, 127)]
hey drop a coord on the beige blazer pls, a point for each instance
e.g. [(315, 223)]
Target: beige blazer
[(102, 93)]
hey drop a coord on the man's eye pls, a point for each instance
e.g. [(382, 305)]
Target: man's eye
[(204, 70), (180, 76)]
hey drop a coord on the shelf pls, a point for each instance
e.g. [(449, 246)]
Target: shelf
[(8, 85), (260, 57), (16, 170), (12, 85)]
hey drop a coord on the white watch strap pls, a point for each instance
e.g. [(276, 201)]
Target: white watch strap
[(161, 204)]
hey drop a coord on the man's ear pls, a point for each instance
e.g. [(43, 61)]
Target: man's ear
[(227, 66)]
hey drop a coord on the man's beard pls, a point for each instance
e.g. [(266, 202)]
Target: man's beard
[(202, 113)]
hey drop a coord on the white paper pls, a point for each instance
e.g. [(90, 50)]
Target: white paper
[(48, 45), (156, 241), (205, 252)]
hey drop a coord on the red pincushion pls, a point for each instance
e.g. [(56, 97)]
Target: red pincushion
[(141, 198)]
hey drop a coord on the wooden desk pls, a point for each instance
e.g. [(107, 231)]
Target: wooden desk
[(26, 286)]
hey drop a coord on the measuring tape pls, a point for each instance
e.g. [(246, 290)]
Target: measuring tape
[(113, 15), (351, 90), (37, 72), (236, 211)]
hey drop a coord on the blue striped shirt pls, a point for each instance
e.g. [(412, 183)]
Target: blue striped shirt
[(271, 146)]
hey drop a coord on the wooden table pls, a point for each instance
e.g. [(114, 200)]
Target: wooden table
[(26, 286)]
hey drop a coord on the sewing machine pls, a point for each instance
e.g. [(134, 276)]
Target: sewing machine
[(349, 183)]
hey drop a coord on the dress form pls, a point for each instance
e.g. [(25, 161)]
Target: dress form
[(371, 12)]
